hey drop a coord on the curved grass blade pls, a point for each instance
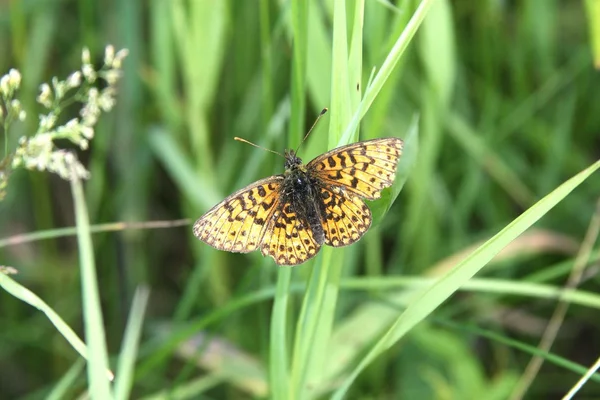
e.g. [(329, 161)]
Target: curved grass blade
[(455, 278)]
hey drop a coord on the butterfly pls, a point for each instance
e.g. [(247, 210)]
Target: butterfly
[(291, 215)]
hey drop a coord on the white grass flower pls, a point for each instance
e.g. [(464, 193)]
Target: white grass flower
[(15, 78), (106, 100), (85, 56), (109, 55), (72, 124), (88, 73), (59, 163), (93, 94), (5, 85), (119, 57), (47, 122), (88, 116), (15, 106), (37, 152), (90, 111), (87, 131), (40, 151), (45, 96), (74, 80), (59, 88), (22, 115), (112, 76), (68, 166)]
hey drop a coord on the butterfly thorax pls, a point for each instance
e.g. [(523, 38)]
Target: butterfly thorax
[(300, 191)]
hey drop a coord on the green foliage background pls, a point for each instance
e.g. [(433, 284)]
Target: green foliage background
[(500, 101)]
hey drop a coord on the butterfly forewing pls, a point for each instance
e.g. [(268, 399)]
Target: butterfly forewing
[(238, 223), (363, 168)]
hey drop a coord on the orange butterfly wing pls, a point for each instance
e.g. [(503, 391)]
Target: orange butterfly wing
[(288, 240), (239, 222), (363, 168), (346, 218), (348, 173)]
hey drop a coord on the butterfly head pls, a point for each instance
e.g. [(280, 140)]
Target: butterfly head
[(292, 161)]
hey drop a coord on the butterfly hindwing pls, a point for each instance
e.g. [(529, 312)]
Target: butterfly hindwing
[(288, 240), (346, 217), (239, 222), (363, 168)]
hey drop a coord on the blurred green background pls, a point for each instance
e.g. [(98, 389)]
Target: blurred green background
[(509, 107)]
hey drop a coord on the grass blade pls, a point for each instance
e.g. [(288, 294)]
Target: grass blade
[(27, 296), (92, 314), (318, 308), (592, 8), (128, 355), (279, 367), (453, 280), (68, 380)]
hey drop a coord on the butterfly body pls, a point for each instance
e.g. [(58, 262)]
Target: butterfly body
[(290, 216), (300, 191)]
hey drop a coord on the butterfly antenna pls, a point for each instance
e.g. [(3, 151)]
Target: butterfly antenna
[(323, 111), (255, 145)]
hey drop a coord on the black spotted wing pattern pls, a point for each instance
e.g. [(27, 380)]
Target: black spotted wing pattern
[(363, 168), (346, 217), (239, 222), (288, 240)]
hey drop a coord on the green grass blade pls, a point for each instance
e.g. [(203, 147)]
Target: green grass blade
[(355, 57), (299, 28), (92, 314), (592, 8), (340, 112), (307, 324), (474, 285), (27, 296), (318, 308), (68, 380), (589, 374), (128, 355), (279, 367), (72, 231), (189, 390), (298, 84), (386, 70), (562, 362), (366, 321), (452, 281), (394, 56)]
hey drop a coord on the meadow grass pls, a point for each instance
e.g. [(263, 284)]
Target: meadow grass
[(497, 105)]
